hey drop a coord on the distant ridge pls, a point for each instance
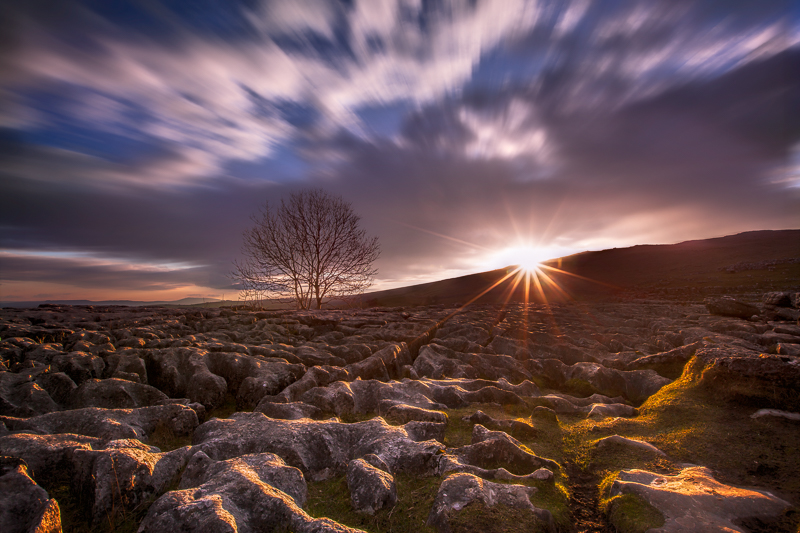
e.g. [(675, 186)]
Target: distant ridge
[(753, 261), (746, 262), (129, 303)]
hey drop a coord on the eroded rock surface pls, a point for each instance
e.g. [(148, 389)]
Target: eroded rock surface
[(246, 401), (459, 490), (694, 501)]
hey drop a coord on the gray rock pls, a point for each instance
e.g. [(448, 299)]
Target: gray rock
[(513, 427), (460, 490), (289, 411), (126, 364), (423, 431), (402, 413), (500, 449), (239, 496), (21, 396), (631, 443), (111, 424), (635, 385), (371, 488), (320, 449), (46, 453), (270, 469), (694, 501), (205, 377), (24, 505), (605, 410), (115, 393), (726, 306), (778, 299), (58, 385), (79, 366), (123, 474)]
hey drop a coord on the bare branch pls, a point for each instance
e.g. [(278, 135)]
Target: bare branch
[(309, 249)]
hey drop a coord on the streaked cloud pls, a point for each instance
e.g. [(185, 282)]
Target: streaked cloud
[(149, 131)]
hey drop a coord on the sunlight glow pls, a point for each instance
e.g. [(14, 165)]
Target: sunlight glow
[(526, 257)]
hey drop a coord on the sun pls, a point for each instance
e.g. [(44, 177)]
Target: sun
[(527, 258)]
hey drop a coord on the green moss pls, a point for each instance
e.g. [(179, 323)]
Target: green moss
[(555, 498), (696, 423), (579, 388), (497, 519), (415, 497), (226, 409), (630, 514)]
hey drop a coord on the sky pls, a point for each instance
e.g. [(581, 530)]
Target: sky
[(138, 138)]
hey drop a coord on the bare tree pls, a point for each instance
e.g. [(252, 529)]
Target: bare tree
[(308, 249)]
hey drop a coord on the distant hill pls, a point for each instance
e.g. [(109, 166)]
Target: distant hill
[(209, 302), (755, 261)]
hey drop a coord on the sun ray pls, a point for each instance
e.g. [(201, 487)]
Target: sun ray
[(554, 269), (442, 235)]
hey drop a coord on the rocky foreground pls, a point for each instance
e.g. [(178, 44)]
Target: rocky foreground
[(613, 416)]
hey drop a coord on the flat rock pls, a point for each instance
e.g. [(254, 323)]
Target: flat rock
[(114, 393), (730, 307), (693, 501), (371, 488), (632, 443), (241, 494), (459, 490), (111, 424)]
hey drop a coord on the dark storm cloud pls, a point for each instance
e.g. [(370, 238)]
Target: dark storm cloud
[(149, 132)]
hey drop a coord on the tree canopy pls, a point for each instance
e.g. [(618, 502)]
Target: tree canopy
[(309, 248)]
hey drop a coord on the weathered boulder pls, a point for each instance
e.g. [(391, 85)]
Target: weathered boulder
[(113, 393), (631, 443), (371, 488), (58, 385), (205, 377), (383, 365), (123, 474), (317, 376), (727, 306), (183, 372), (79, 366), (24, 505), (289, 411), (424, 431), (253, 378), (694, 501), (664, 359), (436, 362), (21, 396), (402, 413), (270, 468), (46, 454), (250, 493), (373, 396), (111, 424), (126, 364), (499, 449), (459, 490), (778, 299), (635, 385), (320, 449), (514, 427)]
